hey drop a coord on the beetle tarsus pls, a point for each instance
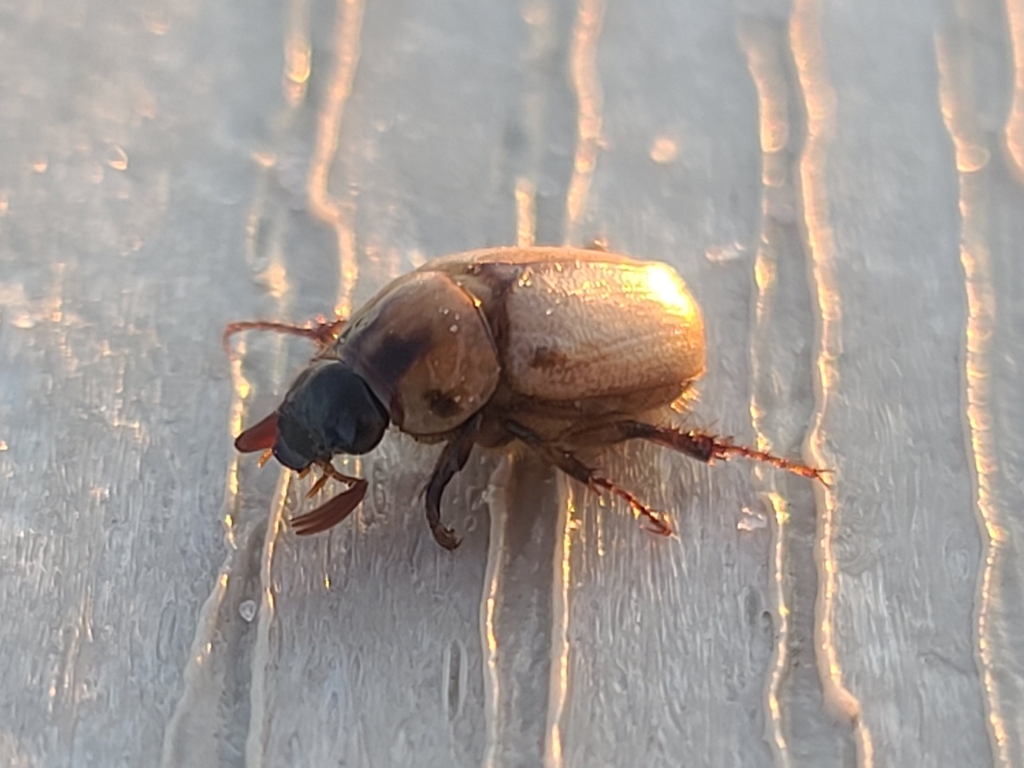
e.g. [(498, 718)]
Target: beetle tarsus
[(650, 520), (444, 536), (453, 458), (706, 447)]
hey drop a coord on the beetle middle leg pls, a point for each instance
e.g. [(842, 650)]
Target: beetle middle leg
[(576, 469), (452, 460)]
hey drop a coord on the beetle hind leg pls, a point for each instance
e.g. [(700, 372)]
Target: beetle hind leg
[(453, 458), (707, 447), (577, 470)]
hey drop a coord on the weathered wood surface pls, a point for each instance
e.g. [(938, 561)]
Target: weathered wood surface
[(840, 185)]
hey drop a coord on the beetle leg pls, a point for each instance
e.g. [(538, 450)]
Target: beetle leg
[(707, 448), (337, 509), (452, 460), (322, 332), (317, 485), (576, 469), (331, 513)]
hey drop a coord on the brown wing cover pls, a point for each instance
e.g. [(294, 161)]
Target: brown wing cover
[(596, 328)]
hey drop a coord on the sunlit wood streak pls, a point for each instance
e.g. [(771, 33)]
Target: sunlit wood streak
[(770, 84), (775, 726), (298, 53), (526, 213), (262, 655), (958, 112), (200, 670), (240, 388), (587, 86), (509, 709), (267, 258), (1014, 130), (488, 621), (558, 689), (773, 123), (274, 275), (537, 14), (805, 32), (348, 28), (539, 47)]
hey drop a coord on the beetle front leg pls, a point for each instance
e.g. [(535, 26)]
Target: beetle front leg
[(707, 448), (453, 458), (577, 470)]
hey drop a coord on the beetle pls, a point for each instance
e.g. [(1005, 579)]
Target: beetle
[(560, 349)]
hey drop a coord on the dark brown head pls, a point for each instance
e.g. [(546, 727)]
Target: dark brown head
[(329, 409)]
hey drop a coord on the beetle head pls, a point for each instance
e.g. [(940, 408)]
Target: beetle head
[(329, 409)]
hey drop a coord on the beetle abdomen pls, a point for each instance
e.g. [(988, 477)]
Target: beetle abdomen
[(595, 329)]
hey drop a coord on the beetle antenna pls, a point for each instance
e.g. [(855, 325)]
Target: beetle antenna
[(321, 332)]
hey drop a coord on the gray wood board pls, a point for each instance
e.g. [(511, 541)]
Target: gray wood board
[(839, 183)]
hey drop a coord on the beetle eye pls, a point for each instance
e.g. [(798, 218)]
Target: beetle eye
[(294, 446), (355, 420), (329, 409)]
